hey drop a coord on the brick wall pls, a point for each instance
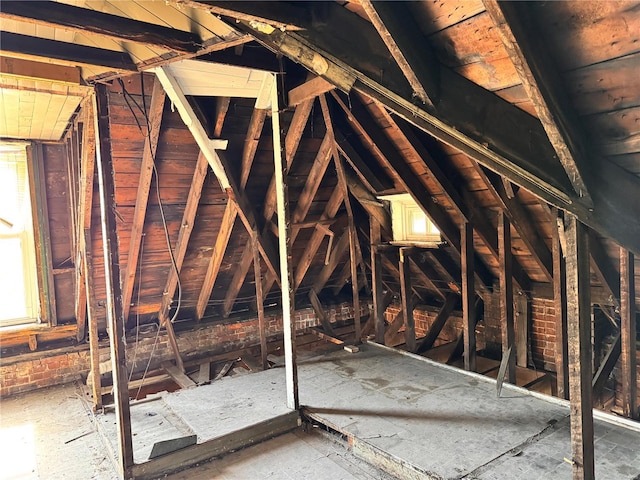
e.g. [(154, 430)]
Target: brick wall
[(32, 371), (543, 333)]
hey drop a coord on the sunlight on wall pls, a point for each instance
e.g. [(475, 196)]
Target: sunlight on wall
[(18, 453)]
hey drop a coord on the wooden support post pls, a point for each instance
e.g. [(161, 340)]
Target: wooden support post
[(317, 308), (521, 305), (560, 304), (115, 318), (506, 294), (468, 294), (580, 348), (284, 244), (94, 347), (628, 331), (407, 303), (376, 279), (262, 323)]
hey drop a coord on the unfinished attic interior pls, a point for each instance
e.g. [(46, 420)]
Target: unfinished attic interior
[(350, 239)]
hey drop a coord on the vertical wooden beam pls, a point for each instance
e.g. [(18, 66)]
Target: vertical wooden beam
[(91, 307), (376, 279), (42, 234), (284, 243), (142, 196), (407, 303), (115, 312), (262, 324), (560, 304), (506, 294), (522, 329), (468, 294), (580, 348), (628, 331)]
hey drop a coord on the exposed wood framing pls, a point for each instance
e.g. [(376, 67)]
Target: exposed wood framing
[(42, 235), (309, 90), (251, 143), (292, 140), (360, 119), (222, 106), (186, 457), (15, 44), (320, 313), (186, 227), (286, 269), (507, 321), (560, 306), (580, 349), (115, 317), (519, 219), (224, 233), (468, 308), (405, 296), (628, 332), (375, 182), (522, 312), (313, 245), (604, 267), (513, 144), (337, 253), (542, 83), (438, 323), (142, 197), (262, 321), (400, 33), (84, 20), (355, 254), (606, 366), (376, 279)]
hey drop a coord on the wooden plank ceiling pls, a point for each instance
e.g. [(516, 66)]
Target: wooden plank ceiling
[(474, 108)]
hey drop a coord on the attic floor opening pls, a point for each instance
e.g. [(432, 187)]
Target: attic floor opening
[(18, 278)]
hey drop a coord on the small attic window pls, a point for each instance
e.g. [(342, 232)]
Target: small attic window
[(409, 222)]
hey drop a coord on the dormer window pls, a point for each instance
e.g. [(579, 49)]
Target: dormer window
[(410, 224)]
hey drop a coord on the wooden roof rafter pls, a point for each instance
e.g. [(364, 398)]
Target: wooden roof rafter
[(291, 143), (543, 85), (154, 115), (402, 36), (514, 144)]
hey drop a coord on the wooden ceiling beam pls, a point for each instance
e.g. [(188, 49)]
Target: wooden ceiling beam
[(369, 202), (415, 57), (84, 20), (542, 83), (15, 44), (309, 90), (251, 143), (514, 144)]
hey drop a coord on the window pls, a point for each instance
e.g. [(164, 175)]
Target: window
[(410, 224), (18, 276)]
